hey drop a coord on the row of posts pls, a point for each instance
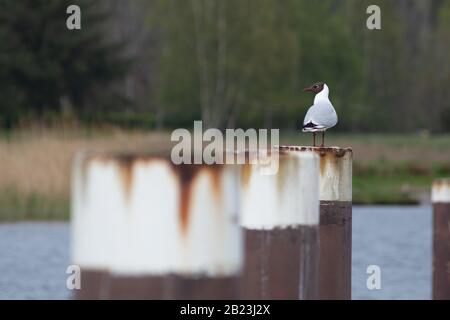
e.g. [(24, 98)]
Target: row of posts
[(144, 228)]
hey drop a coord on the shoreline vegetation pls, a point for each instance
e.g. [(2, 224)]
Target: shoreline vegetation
[(36, 165)]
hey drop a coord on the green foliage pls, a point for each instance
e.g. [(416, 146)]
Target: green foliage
[(330, 53), (233, 63), (42, 63), (274, 48), (120, 119)]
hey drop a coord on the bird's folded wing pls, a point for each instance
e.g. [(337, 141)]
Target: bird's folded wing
[(308, 117), (321, 115)]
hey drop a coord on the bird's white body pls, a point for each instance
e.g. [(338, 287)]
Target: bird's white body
[(321, 115)]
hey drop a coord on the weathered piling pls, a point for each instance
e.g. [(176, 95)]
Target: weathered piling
[(440, 196), (145, 228), (335, 227), (280, 215)]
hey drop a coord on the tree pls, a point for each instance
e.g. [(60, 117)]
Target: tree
[(224, 59), (244, 62), (43, 65)]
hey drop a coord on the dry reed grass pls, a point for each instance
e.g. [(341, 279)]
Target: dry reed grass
[(35, 163)]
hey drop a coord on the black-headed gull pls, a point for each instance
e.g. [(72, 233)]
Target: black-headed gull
[(321, 115)]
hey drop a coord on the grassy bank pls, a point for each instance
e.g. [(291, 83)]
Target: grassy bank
[(35, 170)]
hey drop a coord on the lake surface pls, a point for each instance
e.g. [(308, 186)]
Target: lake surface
[(399, 241), (34, 256)]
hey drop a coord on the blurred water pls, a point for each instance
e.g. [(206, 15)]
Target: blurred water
[(33, 260), (399, 241), (34, 256)]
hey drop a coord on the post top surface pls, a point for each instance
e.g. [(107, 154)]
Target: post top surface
[(441, 190), (441, 182), (337, 151)]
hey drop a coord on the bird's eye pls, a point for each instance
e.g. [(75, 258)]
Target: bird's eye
[(316, 86)]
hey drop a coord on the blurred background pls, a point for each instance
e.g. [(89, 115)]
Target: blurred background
[(162, 64), (138, 69)]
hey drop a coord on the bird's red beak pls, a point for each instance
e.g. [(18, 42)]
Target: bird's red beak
[(308, 89)]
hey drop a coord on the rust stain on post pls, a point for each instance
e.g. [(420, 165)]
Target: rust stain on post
[(440, 184), (216, 178), (185, 175), (327, 160), (126, 164), (246, 173), (185, 201)]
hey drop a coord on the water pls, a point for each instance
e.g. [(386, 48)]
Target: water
[(33, 260), (34, 256), (399, 241)]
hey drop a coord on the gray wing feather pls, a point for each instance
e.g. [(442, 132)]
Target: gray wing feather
[(322, 114)]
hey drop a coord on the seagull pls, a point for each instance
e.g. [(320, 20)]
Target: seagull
[(321, 115)]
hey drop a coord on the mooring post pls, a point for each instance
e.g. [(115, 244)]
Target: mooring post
[(145, 228), (440, 196), (280, 215), (335, 227)]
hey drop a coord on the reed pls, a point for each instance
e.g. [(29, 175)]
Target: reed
[(36, 165)]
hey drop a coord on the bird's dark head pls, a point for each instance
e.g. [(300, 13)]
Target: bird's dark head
[(316, 88)]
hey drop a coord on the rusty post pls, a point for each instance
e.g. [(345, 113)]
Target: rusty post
[(280, 215), (144, 228), (440, 197), (335, 227)]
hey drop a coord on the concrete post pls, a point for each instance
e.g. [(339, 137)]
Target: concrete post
[(440, 196), (144, 228), (280, 215), (335, 230)]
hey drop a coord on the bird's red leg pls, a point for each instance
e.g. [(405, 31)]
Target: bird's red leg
[(323, 139), (314, 139)]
